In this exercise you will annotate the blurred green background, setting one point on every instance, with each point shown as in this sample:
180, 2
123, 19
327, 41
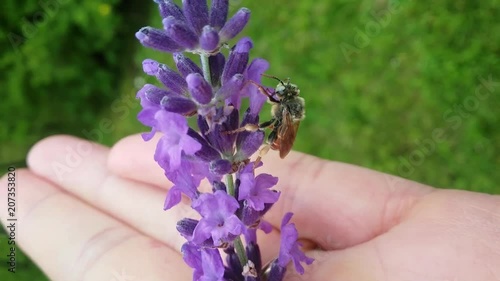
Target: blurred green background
410, 88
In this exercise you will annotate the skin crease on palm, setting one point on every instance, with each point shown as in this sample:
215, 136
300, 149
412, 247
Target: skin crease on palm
88, 212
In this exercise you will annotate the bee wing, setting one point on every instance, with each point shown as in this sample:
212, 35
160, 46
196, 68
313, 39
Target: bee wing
287, 133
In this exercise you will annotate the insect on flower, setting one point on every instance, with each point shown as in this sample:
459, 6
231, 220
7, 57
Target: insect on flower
287, 111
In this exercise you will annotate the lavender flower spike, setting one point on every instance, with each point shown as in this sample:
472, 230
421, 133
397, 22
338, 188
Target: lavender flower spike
194, 28
214, 146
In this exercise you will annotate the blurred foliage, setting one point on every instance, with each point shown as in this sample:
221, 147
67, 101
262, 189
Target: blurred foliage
381, 78
391, 86
62, 66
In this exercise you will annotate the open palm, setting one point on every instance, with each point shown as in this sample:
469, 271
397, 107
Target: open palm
87, 212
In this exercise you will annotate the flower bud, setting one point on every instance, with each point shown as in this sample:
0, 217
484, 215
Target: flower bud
253, 254
167, 76
218, 185
220, 167
199, 88
179, 105
233, 262
196, 12
216, 67
238, 59
248, 143
218, 13
209, 39
186, 65
157, 39
155, 95
249, 216
276, 272
206, 153
186, 227
231, 88
169, 8
235, 25
180, 33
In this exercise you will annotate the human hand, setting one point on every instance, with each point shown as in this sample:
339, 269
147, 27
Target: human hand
87, 212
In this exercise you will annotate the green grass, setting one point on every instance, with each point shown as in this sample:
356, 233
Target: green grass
402, 99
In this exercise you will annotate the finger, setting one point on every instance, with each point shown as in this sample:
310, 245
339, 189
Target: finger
70, 240
443, 237
129, 151
85, 175
337, 205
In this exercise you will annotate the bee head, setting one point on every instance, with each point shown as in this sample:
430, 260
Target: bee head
286, 90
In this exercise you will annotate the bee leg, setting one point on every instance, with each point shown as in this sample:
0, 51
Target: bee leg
264, 91
251, 127
262, 152
265, 149
273, 135
267, 124
247, 127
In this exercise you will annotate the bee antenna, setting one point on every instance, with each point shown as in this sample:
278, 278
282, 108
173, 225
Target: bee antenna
274, 77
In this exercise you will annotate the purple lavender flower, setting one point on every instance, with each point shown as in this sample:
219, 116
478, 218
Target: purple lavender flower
185, 182
212, 266
150, 106
218, 218
174, 141
207, 263
256, 190
253, 73
192, 257
289, 250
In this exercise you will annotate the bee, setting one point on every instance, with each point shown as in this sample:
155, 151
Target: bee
288, 109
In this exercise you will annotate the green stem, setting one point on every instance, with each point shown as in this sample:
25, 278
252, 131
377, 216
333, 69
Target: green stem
206, 68
238, 244
240, 251
230, 185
